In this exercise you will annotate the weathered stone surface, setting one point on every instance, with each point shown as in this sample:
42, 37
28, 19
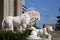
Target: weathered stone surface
56, 35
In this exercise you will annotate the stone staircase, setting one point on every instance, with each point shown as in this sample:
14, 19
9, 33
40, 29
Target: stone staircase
56, 35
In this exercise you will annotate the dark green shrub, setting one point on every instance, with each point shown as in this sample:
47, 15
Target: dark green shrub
9, 35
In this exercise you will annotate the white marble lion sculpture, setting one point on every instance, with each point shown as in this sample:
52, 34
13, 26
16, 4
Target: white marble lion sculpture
21, 22
41, 34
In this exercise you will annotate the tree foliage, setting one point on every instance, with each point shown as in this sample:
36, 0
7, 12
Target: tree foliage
9, 35
58, 22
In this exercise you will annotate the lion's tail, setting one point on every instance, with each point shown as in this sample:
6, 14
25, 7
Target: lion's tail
3, 24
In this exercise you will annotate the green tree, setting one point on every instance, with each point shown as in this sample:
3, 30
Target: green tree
9, 35
58, 22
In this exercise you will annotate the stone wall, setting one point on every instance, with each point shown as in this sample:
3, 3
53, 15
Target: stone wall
56, 35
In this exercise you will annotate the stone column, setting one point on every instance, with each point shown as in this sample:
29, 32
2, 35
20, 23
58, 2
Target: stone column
19, 7
6, 8
11, 8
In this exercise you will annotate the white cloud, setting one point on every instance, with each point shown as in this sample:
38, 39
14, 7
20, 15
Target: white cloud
31, 8
44, 9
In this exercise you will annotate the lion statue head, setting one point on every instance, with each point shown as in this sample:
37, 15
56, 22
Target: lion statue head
34, 16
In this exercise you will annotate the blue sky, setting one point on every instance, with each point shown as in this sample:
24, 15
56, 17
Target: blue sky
48, 10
